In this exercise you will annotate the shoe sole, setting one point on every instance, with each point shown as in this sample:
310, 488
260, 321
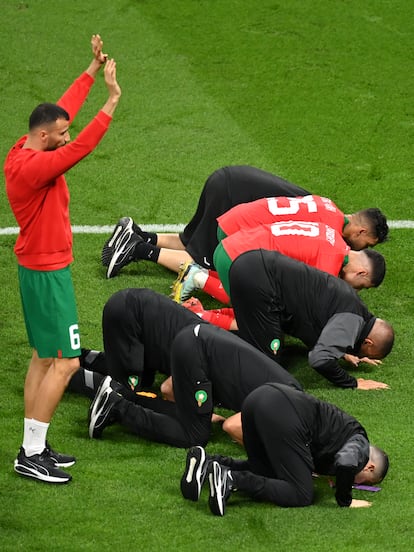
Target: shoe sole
179, 282
120, 251
64, 464
118, 230
106, 254
191, 481
96, 407
215, 501
54, 457
110, 245
34, 473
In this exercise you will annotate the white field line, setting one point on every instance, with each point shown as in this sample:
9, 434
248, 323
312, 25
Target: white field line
168, 228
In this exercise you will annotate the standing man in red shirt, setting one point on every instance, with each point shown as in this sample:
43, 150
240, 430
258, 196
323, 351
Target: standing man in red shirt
39, 197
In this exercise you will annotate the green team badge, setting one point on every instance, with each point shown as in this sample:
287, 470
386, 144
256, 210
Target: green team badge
275, 345
133, 382
201, 397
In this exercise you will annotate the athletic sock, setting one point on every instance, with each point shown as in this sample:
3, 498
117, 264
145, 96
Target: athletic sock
200, 278
219, 317
34, 438
215, 288
148, 237
93, 360
233, 463
85, 382
147, 252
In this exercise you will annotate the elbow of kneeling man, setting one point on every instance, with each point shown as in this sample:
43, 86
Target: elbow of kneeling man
319, 362
314, 360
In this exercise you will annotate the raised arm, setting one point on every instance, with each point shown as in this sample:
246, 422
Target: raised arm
99, 58
114, 89
76, 94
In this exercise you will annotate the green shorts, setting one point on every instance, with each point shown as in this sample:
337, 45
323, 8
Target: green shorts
49, 310
222, 262
220, 234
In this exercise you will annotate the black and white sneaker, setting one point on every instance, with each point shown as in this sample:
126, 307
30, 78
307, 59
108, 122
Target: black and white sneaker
60, 460
138, 230
124, 223
195, 473
118, 251
100, 411
40, 466
220, 480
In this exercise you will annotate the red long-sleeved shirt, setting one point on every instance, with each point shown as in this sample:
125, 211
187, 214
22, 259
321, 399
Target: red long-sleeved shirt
313, 243
267, 210
37, 190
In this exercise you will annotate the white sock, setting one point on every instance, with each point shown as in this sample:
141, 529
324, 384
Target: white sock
200, 278
34, 437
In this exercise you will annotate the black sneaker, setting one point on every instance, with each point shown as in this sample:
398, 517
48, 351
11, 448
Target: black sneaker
123, 254
40, 466
195, 473
137, 229
124, 223
60, 460
100, 411
220, 480
119, 250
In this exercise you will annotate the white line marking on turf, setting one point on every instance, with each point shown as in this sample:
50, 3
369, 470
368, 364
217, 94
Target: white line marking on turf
401, 224
171, 228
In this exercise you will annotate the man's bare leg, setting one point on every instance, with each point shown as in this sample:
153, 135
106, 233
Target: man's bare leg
167, 390
170, 241
45, 384
233, 426
173, 259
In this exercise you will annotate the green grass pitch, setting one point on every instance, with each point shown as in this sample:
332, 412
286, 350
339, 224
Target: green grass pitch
319, 92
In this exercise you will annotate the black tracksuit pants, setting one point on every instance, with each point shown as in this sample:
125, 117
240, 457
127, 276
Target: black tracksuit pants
277, 434
258, 306
225, 188
209, 367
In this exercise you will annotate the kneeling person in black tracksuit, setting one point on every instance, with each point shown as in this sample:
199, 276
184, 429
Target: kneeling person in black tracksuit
289, 297
288, 435
209, 367
138, 326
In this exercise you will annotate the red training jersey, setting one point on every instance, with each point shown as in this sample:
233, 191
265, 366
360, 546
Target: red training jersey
277, 209
37, 189
313, 243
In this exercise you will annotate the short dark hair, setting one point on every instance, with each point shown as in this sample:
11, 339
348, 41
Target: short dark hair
381, 460
385, 345
46, 113
377, 262
377, 222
